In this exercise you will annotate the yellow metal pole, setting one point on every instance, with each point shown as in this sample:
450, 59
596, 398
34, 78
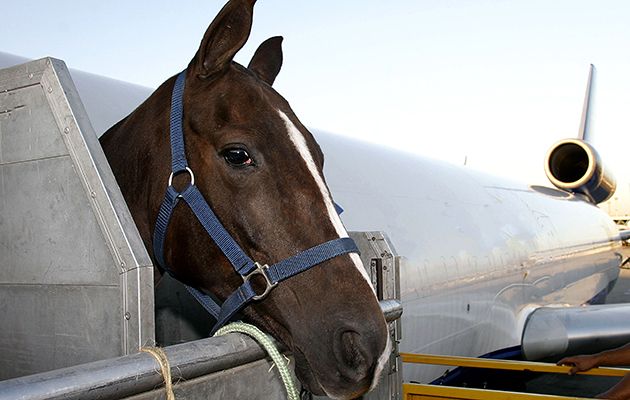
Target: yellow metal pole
412, 391
505, 364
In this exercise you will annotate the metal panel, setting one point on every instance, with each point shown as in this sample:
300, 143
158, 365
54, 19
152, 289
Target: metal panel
42, 199
24, 135
76, 283
57, 325
230, 366
254, 381
383, 263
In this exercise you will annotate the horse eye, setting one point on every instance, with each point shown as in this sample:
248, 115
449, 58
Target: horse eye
237, 157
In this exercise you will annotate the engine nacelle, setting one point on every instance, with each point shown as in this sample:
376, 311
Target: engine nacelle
574, 165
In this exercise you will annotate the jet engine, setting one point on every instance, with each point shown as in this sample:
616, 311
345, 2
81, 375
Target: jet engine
575, 166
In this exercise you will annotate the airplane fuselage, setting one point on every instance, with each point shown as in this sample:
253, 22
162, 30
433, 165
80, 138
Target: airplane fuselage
479, 253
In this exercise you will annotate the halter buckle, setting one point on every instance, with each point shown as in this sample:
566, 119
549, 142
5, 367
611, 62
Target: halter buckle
261, 270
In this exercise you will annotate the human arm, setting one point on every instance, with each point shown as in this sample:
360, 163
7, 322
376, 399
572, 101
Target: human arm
614, 357
621, 391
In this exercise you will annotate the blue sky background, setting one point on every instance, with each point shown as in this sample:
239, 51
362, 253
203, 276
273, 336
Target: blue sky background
494, 81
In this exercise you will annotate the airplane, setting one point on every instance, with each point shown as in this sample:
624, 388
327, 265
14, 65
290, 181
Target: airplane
489, 267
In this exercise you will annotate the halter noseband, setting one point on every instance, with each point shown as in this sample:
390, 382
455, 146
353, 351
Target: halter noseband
243, 265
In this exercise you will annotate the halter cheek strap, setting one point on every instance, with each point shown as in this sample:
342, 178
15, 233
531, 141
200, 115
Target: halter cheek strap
242, 264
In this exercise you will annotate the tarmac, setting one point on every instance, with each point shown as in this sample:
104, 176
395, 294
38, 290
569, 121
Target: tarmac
621, 291
581, 385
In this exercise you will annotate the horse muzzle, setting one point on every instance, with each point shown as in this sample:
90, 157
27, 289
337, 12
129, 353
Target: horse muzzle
350, 366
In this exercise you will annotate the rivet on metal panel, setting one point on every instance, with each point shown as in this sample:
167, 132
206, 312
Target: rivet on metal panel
30, 76
127, 316
66, 130
49, 90
93, 194
122, 264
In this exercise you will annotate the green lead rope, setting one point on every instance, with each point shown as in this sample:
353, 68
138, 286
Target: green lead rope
266, 342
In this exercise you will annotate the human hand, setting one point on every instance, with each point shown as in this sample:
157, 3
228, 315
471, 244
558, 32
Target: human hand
579, 363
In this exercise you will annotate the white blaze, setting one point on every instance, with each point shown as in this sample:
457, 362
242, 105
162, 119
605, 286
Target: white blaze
300, 144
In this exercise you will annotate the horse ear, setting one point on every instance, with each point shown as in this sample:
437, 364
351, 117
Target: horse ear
224, 38
267, 59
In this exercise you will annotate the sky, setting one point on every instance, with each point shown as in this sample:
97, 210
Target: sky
493, 83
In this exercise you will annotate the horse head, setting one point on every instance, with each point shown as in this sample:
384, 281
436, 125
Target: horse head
261, 172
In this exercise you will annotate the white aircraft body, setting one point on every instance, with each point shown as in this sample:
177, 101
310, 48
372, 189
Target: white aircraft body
480, 254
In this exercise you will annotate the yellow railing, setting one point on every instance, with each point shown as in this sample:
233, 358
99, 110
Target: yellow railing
504, 364
413, 391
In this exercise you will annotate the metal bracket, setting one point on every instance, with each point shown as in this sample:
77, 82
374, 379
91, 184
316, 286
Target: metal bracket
382, 264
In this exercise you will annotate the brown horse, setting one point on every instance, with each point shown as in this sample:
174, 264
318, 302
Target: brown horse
260, 170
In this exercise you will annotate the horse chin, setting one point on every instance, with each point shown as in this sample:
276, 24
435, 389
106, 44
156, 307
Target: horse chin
311, 383
305, 375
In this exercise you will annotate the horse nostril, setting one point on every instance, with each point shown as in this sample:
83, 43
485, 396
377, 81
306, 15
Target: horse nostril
350, 345
354, 359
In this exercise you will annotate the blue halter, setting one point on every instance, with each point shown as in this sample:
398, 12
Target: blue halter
243, 265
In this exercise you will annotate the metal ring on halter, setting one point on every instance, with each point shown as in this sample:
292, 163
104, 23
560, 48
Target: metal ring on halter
261, 270
192, 176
